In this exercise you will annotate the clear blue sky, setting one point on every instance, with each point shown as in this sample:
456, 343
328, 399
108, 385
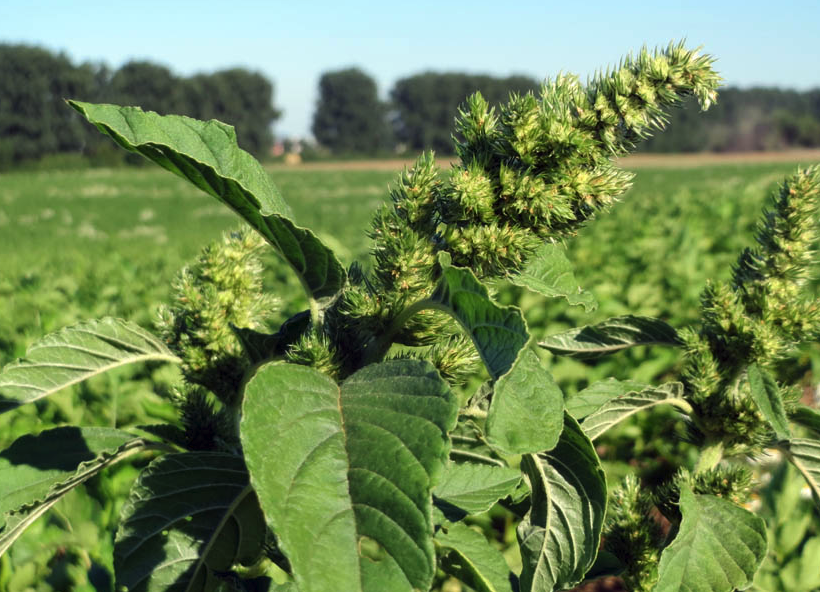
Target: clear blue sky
756, 42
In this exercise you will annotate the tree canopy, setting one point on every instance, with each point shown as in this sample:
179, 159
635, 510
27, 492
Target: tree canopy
349, 116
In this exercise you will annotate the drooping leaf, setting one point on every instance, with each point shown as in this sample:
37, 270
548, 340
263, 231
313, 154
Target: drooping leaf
189, 517
560, 535
526, 391
473, 488
597, 394
207, 155
804, 454
549, 273
718, 548
619, 408
334, 464
36, 471
806, 417
473, 560
611, 336
74, 354
498, 332
766, 396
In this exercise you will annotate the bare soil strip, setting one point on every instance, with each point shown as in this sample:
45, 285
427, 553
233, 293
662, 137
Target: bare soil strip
805, 157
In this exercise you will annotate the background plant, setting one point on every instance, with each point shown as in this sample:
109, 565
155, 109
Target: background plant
530, 176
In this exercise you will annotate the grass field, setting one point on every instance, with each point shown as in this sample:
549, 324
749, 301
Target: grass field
84, 244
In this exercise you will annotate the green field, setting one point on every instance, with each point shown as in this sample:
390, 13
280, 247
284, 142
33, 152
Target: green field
84, 244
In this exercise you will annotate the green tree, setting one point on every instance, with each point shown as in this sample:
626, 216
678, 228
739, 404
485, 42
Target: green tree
349, 117
147, 84
33, 118
426, 104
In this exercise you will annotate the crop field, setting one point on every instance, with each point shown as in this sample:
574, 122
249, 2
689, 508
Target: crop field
84, 244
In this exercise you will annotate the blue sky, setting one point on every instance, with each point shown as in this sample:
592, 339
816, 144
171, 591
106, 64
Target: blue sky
294, 42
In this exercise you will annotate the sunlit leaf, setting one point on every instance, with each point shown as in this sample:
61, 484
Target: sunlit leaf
718, 548
549, 273
206, 154
74, 354
334, 464
611, 336
560, 535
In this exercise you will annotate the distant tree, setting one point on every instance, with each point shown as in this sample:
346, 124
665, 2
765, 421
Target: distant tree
151, 86
349, 117
239, 97
426, 104
743, 119
34, 119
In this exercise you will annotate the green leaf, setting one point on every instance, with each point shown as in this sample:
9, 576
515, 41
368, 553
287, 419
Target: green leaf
548, 272
526, 391
473, 560
560, 535
207, 155
74, 354
766, 396
806, 417
498, 332
36, 471
189, 515
473, 488
718, 548
333, 464
597, 394
613, 335
804, 454
623, 406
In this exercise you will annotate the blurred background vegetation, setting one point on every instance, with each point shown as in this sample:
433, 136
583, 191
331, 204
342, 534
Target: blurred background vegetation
350, 118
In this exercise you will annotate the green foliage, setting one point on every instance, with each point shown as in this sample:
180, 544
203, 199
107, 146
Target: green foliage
336, 452
426, 104
349, 117
34, 123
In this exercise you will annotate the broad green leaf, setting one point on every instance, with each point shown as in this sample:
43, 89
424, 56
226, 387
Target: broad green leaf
473, 560
36, 471
619, 408
207, 155
804, 454
473, 488
549, 273
333, 464
526, 391
597, 394
611, 336
188, 516
806, 417
560, 535
766, 396
718, 548
498, 332
74, 354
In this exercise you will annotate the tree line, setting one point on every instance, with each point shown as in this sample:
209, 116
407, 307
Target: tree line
350, 118
36, 122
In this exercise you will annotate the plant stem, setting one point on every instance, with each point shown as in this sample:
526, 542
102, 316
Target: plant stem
710, 456
379, 347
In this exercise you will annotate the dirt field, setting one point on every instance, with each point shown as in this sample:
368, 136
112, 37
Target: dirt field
804, 157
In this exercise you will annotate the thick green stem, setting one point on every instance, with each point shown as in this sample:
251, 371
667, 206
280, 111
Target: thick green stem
377, 350
710, 456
